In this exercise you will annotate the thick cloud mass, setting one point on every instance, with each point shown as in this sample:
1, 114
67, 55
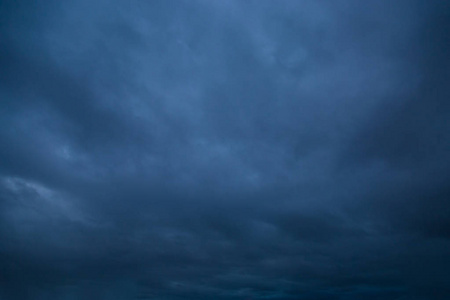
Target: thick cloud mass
224, 150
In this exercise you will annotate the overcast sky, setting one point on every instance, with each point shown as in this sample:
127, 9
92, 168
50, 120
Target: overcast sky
224, 149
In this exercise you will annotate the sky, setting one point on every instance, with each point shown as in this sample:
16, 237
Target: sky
230, 150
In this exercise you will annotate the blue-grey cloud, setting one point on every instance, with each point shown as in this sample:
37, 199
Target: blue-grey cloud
224, 149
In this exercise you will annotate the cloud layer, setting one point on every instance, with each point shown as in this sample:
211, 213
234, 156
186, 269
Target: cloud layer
224, 150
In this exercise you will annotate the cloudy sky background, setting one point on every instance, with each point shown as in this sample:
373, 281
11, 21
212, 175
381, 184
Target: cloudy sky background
224, 150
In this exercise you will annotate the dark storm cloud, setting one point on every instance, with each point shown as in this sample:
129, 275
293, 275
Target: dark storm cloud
224, 149
408, 133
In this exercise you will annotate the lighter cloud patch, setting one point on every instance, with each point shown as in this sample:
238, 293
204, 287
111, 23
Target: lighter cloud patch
65, 153
43, 199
